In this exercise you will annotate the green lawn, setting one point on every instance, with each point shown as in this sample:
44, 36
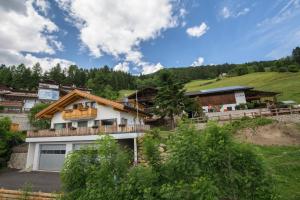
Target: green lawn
287, 84
284, 164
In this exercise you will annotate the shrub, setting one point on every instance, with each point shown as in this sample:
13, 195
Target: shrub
293, 68
38, 123
282, 69
7, 140
204, 165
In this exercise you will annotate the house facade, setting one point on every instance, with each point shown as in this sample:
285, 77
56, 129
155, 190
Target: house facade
227, 98
77, 120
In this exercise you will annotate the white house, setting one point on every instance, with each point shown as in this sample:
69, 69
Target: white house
76, 121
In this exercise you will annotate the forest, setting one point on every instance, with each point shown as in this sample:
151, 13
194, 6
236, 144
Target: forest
106, 82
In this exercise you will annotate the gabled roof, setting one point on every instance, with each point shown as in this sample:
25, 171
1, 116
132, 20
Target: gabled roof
74, 96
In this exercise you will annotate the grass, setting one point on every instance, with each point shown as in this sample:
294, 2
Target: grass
125, 93
284, 165
287, 84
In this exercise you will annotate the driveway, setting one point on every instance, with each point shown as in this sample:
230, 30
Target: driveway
37, 181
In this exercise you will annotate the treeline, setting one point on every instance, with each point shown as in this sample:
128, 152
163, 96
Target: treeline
103, 81
106, 82
186, 74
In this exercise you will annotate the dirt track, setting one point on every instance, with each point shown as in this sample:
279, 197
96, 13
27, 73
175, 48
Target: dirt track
278, 133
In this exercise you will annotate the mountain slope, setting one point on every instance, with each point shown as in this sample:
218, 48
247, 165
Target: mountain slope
288, 84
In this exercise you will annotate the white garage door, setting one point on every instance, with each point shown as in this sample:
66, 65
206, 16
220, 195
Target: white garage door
52, 157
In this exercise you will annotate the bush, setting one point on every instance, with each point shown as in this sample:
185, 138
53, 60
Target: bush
205, 165
38, 123
293, 68
241, 106
282, 69
7, 140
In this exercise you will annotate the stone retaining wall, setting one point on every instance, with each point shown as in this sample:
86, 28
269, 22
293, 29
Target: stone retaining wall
17, 161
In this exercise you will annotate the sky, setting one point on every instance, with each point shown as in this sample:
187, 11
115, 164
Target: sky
141, 37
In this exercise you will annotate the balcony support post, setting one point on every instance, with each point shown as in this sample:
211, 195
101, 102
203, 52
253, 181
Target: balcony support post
135, 150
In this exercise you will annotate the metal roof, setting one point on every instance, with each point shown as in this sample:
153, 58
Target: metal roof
219, 90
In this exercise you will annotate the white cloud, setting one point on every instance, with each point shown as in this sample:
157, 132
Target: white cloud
151, 68
124, 67
23, 29
197, 31
243, 12
225, 12
43, 6
233, 13
10, 57
118, 27
198, 62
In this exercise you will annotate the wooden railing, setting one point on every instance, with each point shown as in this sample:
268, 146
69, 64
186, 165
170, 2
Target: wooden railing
16, 195
235, 116
88, 131
81, 113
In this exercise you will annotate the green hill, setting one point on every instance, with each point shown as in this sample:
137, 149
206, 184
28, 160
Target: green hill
288, 84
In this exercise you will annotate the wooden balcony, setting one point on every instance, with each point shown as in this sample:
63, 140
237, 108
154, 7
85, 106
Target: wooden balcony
80, 113
89, 131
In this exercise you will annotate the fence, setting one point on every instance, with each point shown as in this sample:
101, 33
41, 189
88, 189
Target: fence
260, 113
16, 195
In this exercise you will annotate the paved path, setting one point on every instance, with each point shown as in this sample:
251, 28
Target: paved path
38, 181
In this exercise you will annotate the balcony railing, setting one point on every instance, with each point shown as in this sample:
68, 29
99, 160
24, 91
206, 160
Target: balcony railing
89, 131
80, 113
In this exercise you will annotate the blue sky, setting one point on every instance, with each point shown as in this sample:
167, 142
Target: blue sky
145, 36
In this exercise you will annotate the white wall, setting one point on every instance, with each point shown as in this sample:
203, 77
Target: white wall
103, 112
29, 103
240, 98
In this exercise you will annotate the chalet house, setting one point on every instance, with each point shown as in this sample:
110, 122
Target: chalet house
16, 101
227, 98
77, 119
212, 100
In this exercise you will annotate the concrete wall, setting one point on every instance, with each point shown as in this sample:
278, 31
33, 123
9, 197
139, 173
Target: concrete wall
18, 118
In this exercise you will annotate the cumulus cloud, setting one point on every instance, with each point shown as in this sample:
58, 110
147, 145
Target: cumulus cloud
151, 68
197, 31
124, 67
23, 29
118, 27
198, 62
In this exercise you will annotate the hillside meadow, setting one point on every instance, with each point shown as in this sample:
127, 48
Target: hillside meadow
287, 84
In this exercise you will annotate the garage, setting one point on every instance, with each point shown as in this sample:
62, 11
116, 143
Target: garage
52, 157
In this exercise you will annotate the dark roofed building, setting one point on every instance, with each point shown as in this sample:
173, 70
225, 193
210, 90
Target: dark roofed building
227, 98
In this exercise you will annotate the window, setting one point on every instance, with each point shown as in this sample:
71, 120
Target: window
96, 122
75, 106
229, 108
124, 121
59, 125
107, 122
82, 123
93, 104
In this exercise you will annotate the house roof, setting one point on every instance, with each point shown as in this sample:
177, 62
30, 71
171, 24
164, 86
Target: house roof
219, 90
74, 96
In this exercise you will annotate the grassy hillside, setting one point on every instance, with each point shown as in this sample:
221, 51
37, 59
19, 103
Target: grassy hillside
284, 164
288, 84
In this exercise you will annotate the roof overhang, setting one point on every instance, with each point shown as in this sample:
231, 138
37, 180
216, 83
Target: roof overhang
74, 96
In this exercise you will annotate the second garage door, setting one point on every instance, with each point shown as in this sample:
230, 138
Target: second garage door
52, 157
